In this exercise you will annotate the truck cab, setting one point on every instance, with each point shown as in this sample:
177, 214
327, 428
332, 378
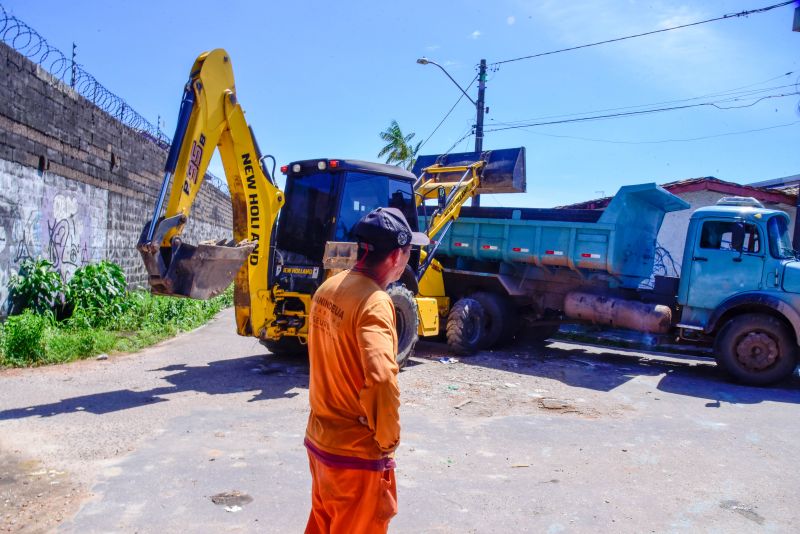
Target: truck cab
740, 282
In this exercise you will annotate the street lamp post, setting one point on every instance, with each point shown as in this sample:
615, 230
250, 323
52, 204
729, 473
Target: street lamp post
480, 106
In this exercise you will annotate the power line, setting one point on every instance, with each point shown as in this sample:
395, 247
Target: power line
735, 92
640, 112
448, 113
723, 17
660, 141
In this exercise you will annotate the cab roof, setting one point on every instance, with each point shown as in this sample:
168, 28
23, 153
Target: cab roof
734, 211
311, 165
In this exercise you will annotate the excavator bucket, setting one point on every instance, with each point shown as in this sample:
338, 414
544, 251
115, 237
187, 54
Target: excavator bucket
183, 270
504, 171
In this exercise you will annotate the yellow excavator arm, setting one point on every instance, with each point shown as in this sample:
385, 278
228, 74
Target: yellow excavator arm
211, 117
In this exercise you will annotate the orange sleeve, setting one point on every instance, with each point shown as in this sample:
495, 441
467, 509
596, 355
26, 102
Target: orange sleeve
380, 396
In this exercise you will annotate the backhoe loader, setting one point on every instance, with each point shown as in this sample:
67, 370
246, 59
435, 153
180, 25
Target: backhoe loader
285, 245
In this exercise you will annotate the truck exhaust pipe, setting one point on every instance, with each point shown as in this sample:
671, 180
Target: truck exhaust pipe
620, 313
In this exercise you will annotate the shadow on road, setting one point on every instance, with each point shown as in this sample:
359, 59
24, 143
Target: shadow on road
269, 377
605, 371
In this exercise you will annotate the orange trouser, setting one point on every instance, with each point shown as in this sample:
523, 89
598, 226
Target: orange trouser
350, 501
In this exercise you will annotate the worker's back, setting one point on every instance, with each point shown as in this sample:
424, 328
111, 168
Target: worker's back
352, 343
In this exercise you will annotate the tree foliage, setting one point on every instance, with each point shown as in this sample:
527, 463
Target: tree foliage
398, 149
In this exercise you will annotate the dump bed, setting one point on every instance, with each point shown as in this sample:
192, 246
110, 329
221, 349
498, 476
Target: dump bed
620, 240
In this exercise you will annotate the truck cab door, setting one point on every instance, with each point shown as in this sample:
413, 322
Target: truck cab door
728, 258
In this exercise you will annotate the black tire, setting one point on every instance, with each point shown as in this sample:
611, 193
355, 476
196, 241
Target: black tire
756, 349
407, 316
286, 346
501, 322
465, 326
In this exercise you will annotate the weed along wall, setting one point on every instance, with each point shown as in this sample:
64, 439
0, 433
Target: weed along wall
76, 185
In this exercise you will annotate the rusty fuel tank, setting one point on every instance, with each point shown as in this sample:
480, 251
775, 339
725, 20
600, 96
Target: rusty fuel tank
619, 313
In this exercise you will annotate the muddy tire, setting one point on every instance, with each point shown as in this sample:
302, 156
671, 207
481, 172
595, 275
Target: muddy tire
501, 323
285, 346
465, 326
756, 349
407, 316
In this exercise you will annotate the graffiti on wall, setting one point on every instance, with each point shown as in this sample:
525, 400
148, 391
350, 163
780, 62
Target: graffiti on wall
54, 223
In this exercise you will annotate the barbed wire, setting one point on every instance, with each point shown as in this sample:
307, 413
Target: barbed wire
28, 42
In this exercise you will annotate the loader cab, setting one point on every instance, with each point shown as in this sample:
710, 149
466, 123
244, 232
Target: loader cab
325, 198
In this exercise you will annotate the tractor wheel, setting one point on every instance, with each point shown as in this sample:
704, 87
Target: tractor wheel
465, 326
501, 323
756, 349
407, 316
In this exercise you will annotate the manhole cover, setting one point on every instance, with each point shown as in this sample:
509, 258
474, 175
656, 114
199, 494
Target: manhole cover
231, 498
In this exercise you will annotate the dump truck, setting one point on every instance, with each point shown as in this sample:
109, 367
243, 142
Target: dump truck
530, 270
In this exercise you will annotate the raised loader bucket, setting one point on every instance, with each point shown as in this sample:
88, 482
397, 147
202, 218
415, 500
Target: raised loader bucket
504, 171
183, 270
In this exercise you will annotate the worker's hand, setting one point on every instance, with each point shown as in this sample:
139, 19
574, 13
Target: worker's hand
363, 421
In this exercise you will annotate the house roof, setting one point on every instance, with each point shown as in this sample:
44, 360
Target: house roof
709, 183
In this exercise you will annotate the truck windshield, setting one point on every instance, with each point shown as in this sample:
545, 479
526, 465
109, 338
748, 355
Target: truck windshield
364, 192
780, 244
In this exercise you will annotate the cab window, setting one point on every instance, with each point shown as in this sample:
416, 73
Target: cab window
730, 235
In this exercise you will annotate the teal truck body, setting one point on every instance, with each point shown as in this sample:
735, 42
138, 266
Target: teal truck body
531, 269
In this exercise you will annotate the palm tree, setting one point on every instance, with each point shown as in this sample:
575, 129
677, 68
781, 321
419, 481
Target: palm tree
397, 149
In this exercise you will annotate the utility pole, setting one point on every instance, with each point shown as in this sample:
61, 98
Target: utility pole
480, 107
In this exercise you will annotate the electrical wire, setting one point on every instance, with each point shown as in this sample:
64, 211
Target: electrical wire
639, 112
723, 17
731, 93
660, 141
448, 113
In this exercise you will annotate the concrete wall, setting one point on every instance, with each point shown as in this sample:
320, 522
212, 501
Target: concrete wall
76, 185
672, 235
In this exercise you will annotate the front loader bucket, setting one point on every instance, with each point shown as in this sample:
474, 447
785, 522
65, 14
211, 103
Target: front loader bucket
197, 272
504, 171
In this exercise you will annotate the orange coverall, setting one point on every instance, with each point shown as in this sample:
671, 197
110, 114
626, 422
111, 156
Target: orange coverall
354, 425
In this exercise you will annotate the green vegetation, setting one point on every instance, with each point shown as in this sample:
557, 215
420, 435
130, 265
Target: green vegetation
397, 149
91, 314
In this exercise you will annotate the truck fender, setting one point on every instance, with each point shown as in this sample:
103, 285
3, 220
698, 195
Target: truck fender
752, 302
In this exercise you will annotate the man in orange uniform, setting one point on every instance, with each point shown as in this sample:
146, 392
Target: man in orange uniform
354, 425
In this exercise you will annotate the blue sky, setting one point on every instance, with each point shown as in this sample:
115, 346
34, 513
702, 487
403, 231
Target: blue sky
322, 79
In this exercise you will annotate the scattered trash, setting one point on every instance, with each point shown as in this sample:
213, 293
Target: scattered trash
233, 509
452, 388
520, 465
448, 360
231, 499
103, 356
553, 404
462, 404
509, 385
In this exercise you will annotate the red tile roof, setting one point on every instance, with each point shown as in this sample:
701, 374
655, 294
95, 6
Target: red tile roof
709, 183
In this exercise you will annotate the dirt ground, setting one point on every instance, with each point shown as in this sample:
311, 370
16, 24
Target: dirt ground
203, 433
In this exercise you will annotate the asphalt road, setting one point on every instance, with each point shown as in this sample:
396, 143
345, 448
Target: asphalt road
203, 433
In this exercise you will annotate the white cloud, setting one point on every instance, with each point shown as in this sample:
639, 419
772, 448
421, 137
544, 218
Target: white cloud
431, 48
511, 20
475, 34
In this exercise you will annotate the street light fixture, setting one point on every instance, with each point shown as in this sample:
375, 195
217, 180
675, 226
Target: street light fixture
479, 106
426, 61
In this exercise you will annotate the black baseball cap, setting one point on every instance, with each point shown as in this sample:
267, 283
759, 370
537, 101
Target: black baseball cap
387, 229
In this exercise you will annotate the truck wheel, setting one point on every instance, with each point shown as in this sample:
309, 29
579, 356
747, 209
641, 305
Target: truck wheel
465, 326
756, 349
501, 323
285, 346
407, 316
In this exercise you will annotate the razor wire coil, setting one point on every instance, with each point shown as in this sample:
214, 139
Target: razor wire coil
28, 42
